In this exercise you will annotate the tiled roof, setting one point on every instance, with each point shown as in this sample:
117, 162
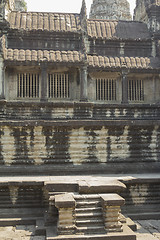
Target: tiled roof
107, 29
68, 22
44, 21
77, 57
50, 56
118, 62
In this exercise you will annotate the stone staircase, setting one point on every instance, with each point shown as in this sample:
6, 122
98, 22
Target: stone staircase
88, 215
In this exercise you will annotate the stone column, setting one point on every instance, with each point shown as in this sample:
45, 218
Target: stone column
66, 209
44, 81
124, 86
111, 205
154, 51
84, 85
2, 95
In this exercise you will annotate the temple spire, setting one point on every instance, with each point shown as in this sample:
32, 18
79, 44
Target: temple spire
83, 15
83, 9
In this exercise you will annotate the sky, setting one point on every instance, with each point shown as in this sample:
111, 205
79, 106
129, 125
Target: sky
72, 6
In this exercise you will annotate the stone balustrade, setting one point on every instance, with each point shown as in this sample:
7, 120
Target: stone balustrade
66, 208
111, 205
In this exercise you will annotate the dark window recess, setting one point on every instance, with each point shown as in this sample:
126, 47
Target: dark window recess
106, 89
136, 90
27, 85
58, 85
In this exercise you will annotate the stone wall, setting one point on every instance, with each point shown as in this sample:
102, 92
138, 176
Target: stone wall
75, 145
142, 198
77, 110
21, 200
151, 84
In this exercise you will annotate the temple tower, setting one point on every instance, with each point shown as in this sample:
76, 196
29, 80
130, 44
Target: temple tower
148, 11
110, 9
20, 5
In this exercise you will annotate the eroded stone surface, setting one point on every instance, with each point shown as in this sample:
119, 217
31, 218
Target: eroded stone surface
148, 230
20, 232
107, 9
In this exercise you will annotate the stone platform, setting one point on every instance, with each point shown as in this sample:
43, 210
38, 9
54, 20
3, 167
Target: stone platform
146, 230
127, 234
30, 201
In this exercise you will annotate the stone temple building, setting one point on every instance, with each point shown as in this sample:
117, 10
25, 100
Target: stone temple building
80, 119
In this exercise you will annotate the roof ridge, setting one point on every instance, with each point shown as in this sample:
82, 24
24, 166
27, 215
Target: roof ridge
112, 20
64, 13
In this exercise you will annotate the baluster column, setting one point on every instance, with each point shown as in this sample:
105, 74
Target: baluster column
44, 79
84, 84
124, 86
111, 205
66, 209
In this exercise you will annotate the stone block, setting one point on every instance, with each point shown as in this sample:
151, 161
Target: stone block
112, 200
64, 201
93, 187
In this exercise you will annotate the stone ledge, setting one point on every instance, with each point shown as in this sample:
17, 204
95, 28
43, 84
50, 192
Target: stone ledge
93, 187
112, 200
127, 234
75, 104
64, 201
79, 123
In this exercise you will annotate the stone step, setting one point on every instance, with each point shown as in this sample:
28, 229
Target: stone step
89, 215
50, 193
18, 221
89, 223
87, 204
78, 196
21, 212
24, 205
126, 235
88, 197
88, 210
20, 199
91, 230
145, 216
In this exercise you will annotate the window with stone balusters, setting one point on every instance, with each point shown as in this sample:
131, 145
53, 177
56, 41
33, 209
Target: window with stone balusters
58, 86
28, 85
106, 89
136, 90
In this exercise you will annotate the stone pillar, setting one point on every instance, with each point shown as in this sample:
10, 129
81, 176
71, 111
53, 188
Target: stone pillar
111, 205
124, 86
66, 209
154, 51
2, 95
44, 81
84, 85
